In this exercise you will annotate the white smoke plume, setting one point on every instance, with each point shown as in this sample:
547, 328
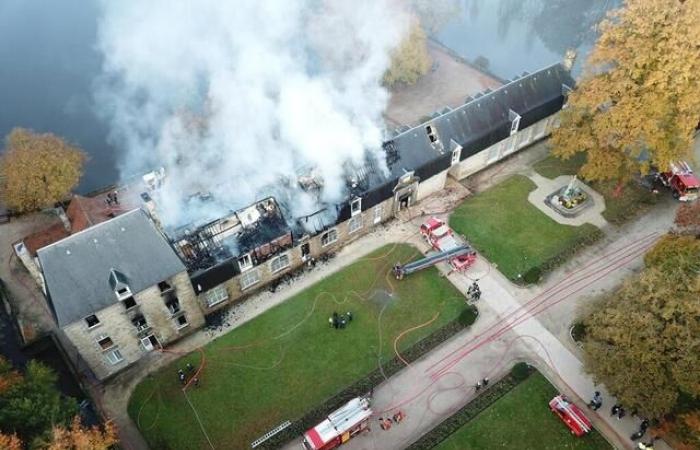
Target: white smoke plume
231, 96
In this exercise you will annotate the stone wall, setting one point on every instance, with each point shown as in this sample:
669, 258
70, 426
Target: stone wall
115, 322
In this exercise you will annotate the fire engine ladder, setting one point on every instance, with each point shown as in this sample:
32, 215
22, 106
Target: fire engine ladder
407, 269
270, 433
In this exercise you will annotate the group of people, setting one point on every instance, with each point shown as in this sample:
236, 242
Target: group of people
619, 411
386, 422
474, 292
481, 384
338, 321
183, 377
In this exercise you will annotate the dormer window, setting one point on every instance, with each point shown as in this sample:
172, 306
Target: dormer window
245, 262
432, 134
356, 206
120, 284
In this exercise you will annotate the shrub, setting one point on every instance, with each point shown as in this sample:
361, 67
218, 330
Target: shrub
468, 315
521, 371
578, 331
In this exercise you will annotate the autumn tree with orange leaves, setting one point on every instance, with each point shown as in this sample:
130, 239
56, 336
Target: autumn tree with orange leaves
637, 104
37, 170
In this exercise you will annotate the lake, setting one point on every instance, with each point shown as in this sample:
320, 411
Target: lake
48, 62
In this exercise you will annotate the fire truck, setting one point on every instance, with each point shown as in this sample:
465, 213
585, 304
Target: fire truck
441, 238
571, 415
340, 426
681, 180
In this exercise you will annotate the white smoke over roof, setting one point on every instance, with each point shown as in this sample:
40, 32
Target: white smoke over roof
231, 96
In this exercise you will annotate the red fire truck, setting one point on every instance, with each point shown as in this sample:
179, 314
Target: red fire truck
571, 415
339, 426
682, 181
441, 238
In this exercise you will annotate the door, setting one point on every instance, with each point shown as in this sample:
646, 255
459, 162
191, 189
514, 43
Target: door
149, 343
305, 251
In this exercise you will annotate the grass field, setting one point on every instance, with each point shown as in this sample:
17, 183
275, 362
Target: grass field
288, 360
620, 206
521, 419
503, 225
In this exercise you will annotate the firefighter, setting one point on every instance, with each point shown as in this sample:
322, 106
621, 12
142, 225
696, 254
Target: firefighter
596, 402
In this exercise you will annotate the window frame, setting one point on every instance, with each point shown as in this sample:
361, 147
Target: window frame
104, 337
97, 324
132, 298
353, 226
378, 213
328, 233
117, 354
248, 265
278, 258
245, 276
219, 292
353, 209
179, 325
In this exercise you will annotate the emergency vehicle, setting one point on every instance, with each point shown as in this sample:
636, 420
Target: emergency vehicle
441, 238
682, 181
339, 426
571, 415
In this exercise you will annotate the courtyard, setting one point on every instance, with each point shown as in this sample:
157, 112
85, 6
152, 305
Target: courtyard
289, 360
521, 241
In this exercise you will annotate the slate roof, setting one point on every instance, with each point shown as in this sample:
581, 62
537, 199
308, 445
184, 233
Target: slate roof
78, 268
476, 125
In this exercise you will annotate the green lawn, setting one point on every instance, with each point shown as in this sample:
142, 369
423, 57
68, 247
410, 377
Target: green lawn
511, 232
521, 419
620, 205
288, 360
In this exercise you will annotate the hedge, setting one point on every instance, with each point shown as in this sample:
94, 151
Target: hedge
517, 375
374, 378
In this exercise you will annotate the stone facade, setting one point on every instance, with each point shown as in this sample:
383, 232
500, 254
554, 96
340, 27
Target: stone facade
120, 338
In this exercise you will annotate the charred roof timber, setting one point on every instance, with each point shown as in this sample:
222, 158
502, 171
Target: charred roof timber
249, 229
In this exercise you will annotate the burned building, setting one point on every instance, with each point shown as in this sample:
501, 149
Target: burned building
232, 256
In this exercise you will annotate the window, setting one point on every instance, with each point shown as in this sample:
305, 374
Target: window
329, 237
139, 323
216, 295
514, 121
123, 292
129, 302
378, 213
430, 130
173, 306
279, 263
249, 278
355, 224
181, 322
92, 321
356, 206
455, 155
164, 287
114, 357
245, 262
105, 342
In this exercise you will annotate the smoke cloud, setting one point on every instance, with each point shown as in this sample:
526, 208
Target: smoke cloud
233, 96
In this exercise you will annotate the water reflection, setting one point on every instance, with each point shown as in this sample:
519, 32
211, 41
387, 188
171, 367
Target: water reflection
517, 35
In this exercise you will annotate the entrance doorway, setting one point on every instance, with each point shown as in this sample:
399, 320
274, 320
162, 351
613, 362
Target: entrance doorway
405, 201
305, 251
149, 343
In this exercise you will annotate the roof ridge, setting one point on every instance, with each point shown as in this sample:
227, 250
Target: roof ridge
91, 228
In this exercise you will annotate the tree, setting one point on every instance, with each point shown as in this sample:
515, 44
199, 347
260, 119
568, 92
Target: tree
31, 404
77, 437
410, 60
10, 442
637, 104
37, 170
434, 14
643, 342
